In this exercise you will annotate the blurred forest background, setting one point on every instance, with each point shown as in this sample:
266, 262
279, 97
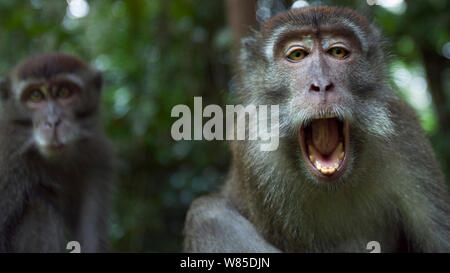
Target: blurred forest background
159, 53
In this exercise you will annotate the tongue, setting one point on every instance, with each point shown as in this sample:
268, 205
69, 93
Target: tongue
325, 135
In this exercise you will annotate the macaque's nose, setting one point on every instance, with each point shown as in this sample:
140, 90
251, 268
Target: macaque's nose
317, 87
52, 123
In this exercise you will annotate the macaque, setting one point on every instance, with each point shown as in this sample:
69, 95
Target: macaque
353, 163
56, 165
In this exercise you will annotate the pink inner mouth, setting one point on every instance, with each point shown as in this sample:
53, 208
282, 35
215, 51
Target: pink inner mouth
324, 145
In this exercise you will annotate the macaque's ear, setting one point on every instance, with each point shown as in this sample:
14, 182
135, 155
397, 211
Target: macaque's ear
97, 80
4, 88
248, 43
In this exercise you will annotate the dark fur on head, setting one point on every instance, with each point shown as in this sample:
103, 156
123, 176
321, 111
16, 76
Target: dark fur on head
48, 65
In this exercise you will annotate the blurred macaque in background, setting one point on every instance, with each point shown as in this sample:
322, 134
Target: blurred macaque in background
57, 168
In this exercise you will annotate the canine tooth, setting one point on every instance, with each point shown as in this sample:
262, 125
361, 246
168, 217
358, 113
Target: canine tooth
336, 165
340, 146
318, 166
312, 158
341, 155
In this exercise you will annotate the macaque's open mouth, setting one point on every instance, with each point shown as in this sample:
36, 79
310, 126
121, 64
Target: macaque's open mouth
324, 143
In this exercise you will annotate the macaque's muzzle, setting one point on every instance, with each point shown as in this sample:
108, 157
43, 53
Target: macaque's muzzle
53, 136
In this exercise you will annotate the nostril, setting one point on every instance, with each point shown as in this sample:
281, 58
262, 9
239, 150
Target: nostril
48, 125
315, 88
329, 87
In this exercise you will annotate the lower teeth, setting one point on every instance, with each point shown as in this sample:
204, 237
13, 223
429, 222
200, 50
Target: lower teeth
327, 170
331, 169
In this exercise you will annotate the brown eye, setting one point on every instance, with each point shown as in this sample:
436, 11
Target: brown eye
297, 55
64, 92
36, 96
338, 52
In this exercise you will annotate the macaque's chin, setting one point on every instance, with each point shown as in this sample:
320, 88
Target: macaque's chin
325, 144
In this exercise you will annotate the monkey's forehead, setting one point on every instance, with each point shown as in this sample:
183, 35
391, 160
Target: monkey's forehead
49, 65
314, 17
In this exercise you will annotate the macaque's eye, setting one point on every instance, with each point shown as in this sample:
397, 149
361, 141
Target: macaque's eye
296, 54
64, 92
36, 96
338, 52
